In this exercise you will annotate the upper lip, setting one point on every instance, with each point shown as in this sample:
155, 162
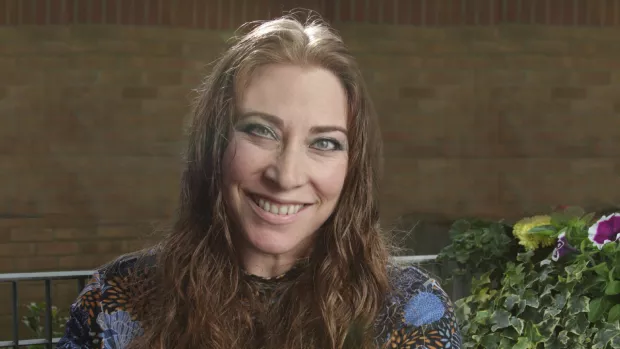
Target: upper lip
278, 201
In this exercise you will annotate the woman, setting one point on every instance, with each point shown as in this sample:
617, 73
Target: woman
276, 243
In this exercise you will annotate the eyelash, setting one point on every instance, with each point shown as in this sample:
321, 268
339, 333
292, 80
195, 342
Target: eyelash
256, 130
253, 129
337, 146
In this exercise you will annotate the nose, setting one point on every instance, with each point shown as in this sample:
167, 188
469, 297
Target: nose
288, 170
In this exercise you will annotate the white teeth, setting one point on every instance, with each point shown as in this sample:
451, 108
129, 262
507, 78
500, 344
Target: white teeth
274, 209
278, 209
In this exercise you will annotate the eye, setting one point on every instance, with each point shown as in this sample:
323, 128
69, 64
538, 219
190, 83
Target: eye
326, 144
260, 131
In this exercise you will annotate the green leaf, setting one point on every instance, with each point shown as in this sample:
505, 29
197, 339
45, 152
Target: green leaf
577, 324
523, 343
482, 317
490, 341
563, 337
578, 305
613, 288
545, 230
601, 269
500, 319
547, 327
525, 256
614, 313
597, 308
459, 227
517, 324
511, 301
531, 299
606, 334
575, 271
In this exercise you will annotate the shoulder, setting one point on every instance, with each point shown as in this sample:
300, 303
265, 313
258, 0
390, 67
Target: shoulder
103, 313
418, 312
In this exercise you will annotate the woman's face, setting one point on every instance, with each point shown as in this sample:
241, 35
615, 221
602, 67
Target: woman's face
286, 162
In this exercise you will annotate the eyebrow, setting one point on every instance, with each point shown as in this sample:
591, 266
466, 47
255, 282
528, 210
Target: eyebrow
277, 121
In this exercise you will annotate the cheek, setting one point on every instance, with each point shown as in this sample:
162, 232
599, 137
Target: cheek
329, 178
241, 161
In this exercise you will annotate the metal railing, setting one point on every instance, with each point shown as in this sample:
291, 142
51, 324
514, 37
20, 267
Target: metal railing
81, 276
47, 278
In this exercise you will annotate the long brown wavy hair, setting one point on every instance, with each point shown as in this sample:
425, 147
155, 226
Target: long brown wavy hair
198, 295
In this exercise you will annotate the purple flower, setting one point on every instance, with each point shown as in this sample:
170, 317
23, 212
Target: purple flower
562, 248
605, 230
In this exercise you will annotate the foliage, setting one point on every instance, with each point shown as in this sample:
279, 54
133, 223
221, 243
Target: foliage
35, 321
567, 297
478, 247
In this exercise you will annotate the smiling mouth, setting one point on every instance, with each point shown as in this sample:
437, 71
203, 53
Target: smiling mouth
277, 208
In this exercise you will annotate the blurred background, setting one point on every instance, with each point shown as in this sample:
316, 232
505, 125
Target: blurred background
489, 108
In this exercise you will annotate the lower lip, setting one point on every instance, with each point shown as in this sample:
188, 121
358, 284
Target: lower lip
272, 218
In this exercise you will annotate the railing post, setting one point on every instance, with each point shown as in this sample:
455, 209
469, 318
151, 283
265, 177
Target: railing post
15, 316
48, 313
80, 284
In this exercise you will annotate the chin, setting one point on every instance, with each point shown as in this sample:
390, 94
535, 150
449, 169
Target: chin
273, 243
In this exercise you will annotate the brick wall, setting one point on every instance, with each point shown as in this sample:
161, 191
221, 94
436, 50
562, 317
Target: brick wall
487, 109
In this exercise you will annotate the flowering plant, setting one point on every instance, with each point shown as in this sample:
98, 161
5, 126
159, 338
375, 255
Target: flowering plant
559, 289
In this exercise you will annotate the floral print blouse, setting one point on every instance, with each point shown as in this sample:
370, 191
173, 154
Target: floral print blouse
418, 314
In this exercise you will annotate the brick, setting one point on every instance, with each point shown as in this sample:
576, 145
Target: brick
592, 78
162, 78
31, 234
7, 265
139, 92
74, 233
84, 262
439, 78
102, 247
119, 77
136, 245
57, 248
417, 92
569, 92
584, 107
548, 47
38, 263
17, 249
5, 235
118, 231
548, 77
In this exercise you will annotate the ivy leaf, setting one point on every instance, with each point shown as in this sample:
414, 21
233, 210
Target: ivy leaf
500, 319
547, 327
517, 324
490, 341
511, 301
563, 338
525, 257
523, 343
606, 334
577, 324
531, 299
613, 288
547, 290
614, 313
482, 317
578, 305
575, 271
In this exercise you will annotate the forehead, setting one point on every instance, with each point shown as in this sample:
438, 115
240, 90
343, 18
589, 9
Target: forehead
296, 94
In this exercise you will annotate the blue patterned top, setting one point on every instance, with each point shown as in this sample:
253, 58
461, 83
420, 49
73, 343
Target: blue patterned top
418, 313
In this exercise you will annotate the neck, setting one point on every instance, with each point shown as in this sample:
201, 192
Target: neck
267, 266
